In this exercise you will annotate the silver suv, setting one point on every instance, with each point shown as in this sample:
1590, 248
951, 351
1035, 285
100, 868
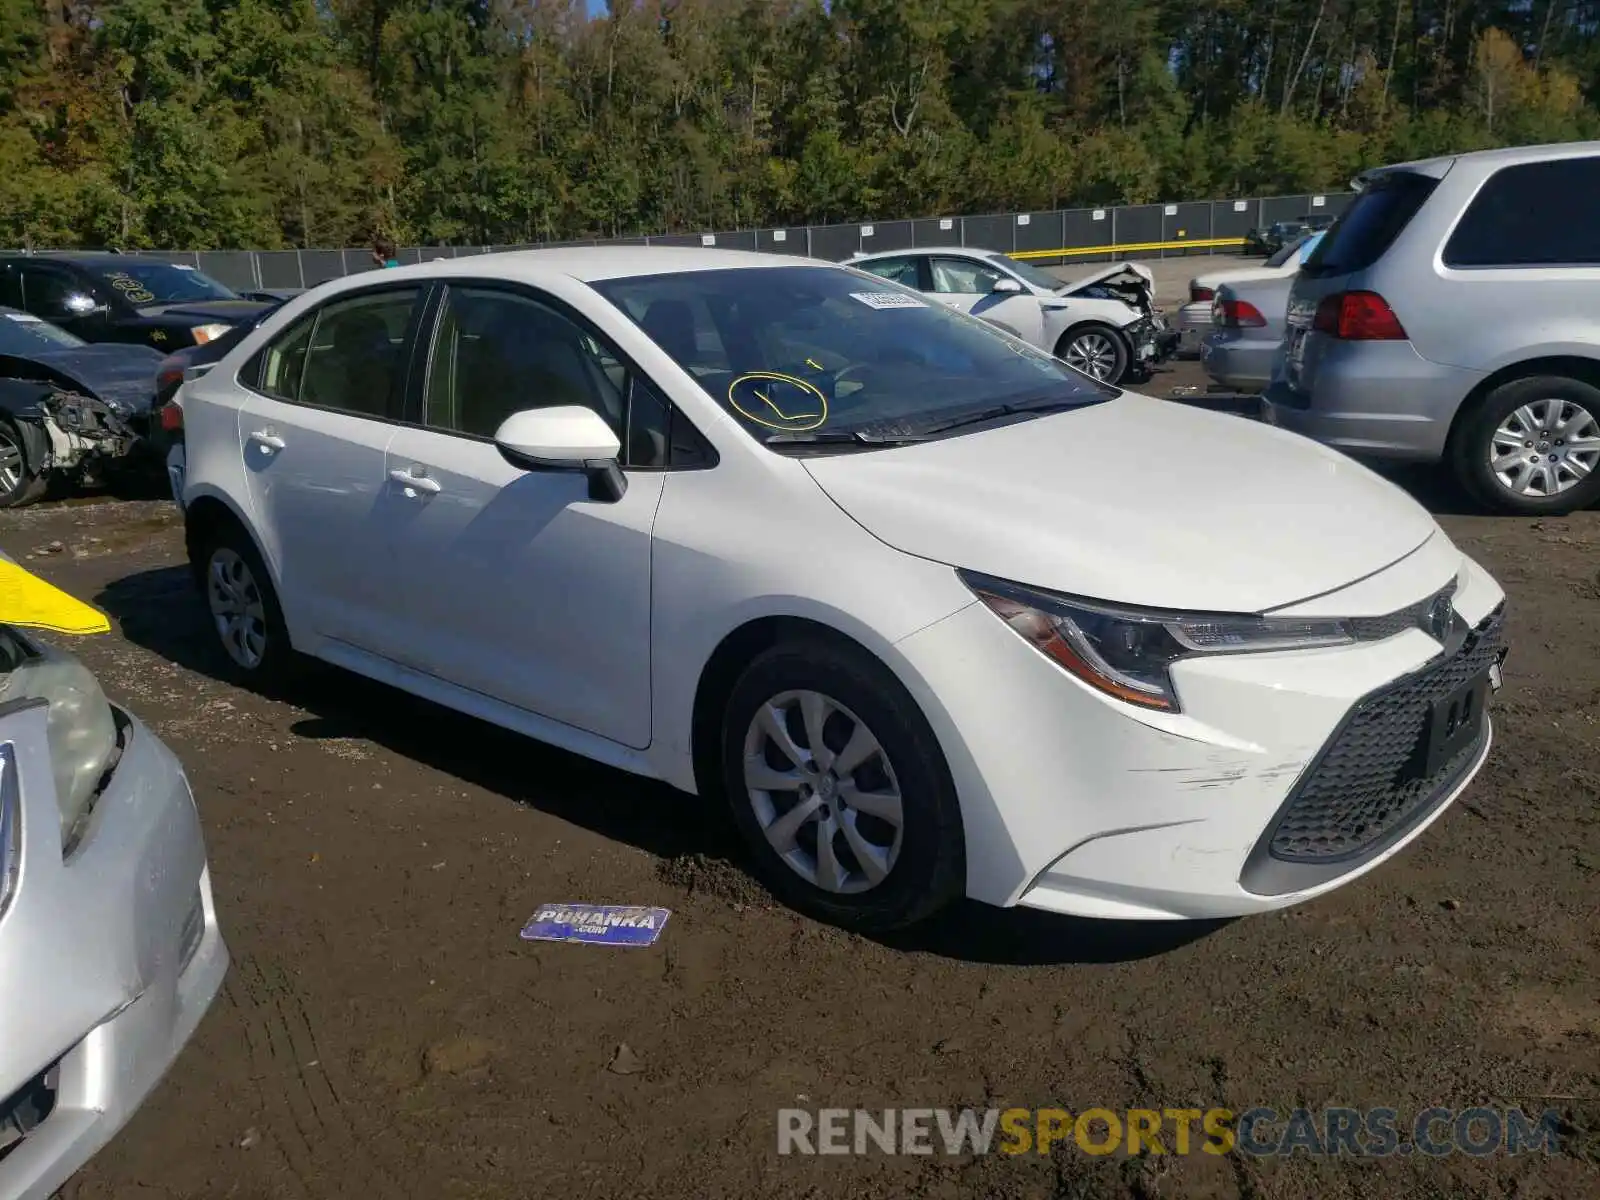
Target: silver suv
1452, 314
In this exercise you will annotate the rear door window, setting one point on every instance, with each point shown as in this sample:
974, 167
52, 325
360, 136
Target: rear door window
1539, 214
1371, 223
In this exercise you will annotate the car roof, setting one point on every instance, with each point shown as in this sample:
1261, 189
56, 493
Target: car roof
1491, 159
960, 251
86, 258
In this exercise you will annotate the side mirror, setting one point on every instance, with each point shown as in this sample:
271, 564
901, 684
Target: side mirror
1006, 286
568, 438
81, 304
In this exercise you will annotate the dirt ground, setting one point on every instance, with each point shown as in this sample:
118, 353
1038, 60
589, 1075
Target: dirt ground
384, 1032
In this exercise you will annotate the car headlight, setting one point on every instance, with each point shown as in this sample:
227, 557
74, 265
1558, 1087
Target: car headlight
80, 727
1128, 653
207, 333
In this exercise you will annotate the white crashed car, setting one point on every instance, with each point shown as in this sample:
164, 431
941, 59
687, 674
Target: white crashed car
1105, 324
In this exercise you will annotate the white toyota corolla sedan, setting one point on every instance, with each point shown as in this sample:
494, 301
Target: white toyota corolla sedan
934, 613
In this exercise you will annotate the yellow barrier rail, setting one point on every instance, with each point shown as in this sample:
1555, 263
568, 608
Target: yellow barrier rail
1132, 248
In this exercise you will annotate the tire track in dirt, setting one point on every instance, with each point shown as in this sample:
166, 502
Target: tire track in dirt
323, 1147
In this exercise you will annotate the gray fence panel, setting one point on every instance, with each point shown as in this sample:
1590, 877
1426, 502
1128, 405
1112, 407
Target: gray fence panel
1188, 223
682, 239
628, 241
235, 268
1139, 225
1080, 231
321, 265
887, 235
1285, 208
835, 242
990, 232
279, 268
1234, 218
739, 239
1338, 202
936, 231
408, 256
1042, 231
782, 241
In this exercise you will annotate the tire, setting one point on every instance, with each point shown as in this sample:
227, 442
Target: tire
243, 607
1098, 346
21, 481
1545, 413
920, 867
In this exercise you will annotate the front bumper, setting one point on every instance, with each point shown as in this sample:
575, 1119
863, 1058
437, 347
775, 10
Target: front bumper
1076, 803
108, 960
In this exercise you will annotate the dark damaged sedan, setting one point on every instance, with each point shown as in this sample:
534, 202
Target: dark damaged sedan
67, 408
105, 297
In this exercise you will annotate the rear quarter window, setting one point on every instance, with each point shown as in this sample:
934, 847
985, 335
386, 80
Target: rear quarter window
1370, 225
1539, 214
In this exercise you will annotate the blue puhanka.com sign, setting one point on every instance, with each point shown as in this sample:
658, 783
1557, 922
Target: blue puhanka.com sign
607, 924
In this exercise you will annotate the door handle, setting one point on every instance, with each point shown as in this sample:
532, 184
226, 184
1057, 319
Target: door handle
415, 484
267, 440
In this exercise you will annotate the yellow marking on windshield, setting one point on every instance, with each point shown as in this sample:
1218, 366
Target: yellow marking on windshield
791, 422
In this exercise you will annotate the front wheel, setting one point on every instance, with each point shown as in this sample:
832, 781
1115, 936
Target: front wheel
21, 481
1096, 350
840, 789
1532, 446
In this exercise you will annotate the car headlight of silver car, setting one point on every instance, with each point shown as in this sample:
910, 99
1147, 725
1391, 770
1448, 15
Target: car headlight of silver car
1128, 653
80, 726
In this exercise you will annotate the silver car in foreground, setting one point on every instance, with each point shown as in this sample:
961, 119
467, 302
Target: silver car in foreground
1247, 320
1452, 315
109, 948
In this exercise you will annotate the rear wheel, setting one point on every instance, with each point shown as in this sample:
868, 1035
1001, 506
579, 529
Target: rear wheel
1096, 350
21, 481
244, 609
1532, 446
838, 785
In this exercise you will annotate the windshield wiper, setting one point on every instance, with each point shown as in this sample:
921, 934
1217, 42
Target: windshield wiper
1007, 410
856, 437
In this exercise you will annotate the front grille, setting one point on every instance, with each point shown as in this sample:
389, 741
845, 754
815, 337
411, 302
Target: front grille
1412, 616
1368, 786
193, 931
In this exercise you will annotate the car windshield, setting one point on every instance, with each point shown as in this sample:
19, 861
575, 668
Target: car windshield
1280, 257
1028, 273
828, 355
144, 283
23, 334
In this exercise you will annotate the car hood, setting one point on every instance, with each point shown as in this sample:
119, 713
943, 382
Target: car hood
1108, 272
116, 373
230, 311
1136, 501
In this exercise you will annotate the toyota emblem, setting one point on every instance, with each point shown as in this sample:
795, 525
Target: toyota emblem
1440, 614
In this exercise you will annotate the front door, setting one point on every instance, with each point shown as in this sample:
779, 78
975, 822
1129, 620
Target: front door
968, 284
313, 435
516, 584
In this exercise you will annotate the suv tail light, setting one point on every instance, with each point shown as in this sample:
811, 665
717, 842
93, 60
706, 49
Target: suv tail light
1358, 317
1237, 314
171, 417
1200, 293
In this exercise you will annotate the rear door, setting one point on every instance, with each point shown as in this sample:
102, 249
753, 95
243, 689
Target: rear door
323, 400
1350, 248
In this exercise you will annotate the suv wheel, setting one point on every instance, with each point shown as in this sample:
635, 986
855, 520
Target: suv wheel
243, 607
840, 789
1533, 446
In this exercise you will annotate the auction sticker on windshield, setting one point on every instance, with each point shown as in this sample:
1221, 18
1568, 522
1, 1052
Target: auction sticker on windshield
607, 924
887, 300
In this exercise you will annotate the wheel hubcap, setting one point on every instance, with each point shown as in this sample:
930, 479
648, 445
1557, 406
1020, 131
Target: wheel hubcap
1545, 448
10, 463
823, 792
237, 609
1094, 355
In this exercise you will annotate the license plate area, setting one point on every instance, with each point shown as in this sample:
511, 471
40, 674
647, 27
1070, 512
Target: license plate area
1455, 721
